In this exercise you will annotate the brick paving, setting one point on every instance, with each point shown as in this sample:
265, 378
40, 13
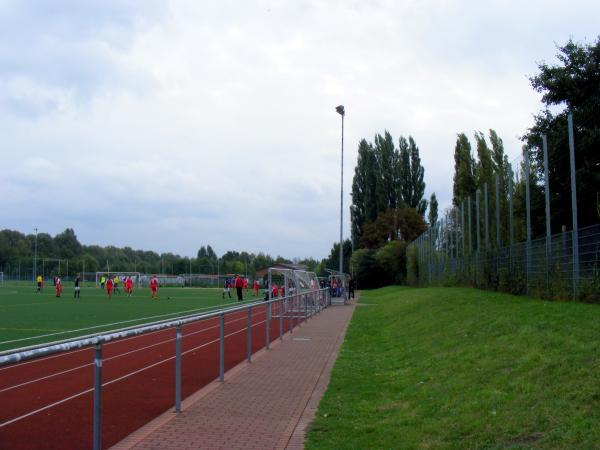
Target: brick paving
266, 404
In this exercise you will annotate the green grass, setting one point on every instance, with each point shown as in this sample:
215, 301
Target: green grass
27, 318
458, 368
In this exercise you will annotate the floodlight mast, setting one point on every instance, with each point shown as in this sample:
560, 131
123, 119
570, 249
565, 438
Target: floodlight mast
342, 112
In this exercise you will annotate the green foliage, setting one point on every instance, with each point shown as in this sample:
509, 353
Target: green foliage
391, 258
366, 270
412, 265
433, 210
17, 249
459, 368
464, 170
333, 260
401, 224
573, 84
385, 178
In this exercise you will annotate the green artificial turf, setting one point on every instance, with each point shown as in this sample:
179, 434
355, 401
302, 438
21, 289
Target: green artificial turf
28, 318
459, 368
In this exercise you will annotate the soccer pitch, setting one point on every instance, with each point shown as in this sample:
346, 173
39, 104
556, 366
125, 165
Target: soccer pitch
28, 318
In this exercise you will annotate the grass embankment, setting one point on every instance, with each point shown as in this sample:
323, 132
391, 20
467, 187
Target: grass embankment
456, 368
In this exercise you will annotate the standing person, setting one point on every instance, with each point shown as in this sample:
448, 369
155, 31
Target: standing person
154, 286
102, 282
40, 283
109, 287
351, 287
246, 284
77, 292
239, 285
226, 288
116, 285
129, 286
255, 288
58, 285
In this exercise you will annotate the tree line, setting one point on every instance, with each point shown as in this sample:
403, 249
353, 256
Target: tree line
17, 253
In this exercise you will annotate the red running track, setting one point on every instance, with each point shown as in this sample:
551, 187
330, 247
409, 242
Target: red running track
47, 403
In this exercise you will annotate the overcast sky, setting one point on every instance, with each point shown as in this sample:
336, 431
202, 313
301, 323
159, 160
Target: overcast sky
167, 125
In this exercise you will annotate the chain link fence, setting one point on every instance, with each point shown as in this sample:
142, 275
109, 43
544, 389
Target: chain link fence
500, 237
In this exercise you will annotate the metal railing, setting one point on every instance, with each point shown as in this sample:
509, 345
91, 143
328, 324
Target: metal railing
296, 308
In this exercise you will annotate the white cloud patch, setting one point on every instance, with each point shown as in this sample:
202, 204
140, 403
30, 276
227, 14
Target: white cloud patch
170, 125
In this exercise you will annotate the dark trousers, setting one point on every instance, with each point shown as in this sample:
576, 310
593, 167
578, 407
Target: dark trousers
239, 294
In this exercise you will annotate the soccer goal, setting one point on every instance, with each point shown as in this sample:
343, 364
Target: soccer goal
163, 280
136, 277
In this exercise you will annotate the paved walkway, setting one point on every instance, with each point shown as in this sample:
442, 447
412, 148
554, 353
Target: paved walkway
263, 405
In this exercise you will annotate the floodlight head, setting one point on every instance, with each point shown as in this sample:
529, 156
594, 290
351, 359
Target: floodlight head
340, 110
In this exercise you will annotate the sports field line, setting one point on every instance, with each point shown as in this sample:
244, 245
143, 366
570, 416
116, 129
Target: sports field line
44, 408
28, 329
109, 324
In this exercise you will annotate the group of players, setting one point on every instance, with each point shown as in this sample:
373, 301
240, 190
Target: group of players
110, 284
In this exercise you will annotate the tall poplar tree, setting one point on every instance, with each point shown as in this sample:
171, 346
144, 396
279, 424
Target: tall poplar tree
464, 170
364, 190
433, 210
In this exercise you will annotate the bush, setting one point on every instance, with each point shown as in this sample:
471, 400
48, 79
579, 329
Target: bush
366, 270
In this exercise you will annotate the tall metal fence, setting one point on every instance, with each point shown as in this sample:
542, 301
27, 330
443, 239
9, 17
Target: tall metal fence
492, 240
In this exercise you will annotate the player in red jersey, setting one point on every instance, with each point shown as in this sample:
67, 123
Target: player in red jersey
239, 285
129, 286
255, 287
109, 287
154, 286
58, 285
246, 284
275, 291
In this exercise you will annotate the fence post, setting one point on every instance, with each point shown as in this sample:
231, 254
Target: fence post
249, 335
547, 197
511, 230
470, 231
222, 348
528, 214
97, 436
462, 228
574, 209
178, 369
498, 212
268, 325
477, 220
487, 217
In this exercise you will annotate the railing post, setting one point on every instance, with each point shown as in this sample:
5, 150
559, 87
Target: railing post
268, 323
97, 436
306, 308
291, 310
249, 336
222, 348
178, 369
281, 309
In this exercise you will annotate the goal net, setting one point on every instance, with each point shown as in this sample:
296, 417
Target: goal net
135, 277
163, 280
